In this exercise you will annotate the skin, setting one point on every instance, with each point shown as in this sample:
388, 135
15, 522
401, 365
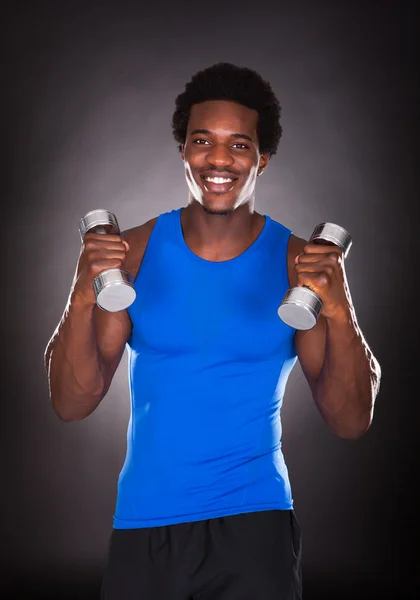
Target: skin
87, 345
221, 226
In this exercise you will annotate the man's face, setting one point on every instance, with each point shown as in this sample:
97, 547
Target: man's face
221, 155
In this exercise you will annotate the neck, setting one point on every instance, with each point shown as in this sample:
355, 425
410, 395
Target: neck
221, 236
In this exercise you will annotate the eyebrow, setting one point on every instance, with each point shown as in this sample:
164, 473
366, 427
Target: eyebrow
234, 135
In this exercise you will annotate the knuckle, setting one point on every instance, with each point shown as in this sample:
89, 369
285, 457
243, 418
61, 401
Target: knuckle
113, 263
89, 247
323, 279
302, 278
93, 269
91, 256
89, 239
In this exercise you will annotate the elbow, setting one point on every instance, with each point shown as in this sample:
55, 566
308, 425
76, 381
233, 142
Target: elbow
69, 413
66, 416
353, 430
71, 405
352, 434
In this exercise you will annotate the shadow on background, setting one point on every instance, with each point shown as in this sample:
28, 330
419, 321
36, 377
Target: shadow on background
89, 90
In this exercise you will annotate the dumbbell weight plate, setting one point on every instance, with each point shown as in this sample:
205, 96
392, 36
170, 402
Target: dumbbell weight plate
300, 308
114, 290
100, 217
330, 233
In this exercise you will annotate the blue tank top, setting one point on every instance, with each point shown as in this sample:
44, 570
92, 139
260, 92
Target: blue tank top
209, 359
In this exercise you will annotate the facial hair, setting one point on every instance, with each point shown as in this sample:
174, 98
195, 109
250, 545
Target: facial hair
222, 213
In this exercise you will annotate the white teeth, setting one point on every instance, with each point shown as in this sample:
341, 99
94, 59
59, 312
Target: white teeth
218, 179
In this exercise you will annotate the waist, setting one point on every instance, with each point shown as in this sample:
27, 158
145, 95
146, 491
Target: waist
168, 490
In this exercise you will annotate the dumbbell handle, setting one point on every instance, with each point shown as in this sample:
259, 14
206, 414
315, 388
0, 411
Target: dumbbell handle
98, 229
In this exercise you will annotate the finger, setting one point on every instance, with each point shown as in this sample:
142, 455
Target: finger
321, 249
314, 267
93, 244
111, 254
315, 281
330, 257
107, 263
97, 256
101, 237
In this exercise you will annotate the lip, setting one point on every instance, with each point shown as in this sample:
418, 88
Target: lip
219, 187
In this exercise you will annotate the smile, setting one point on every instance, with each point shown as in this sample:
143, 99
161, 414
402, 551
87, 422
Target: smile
218, 179
219, 184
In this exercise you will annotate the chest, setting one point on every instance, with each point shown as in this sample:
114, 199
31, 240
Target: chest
226, 308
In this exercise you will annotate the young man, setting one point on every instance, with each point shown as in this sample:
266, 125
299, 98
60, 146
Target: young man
204, 507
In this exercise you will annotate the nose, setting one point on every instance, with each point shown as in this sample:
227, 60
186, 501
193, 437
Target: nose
219, 156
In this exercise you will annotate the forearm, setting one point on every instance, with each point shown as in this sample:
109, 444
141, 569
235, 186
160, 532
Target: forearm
348, 384
73, 363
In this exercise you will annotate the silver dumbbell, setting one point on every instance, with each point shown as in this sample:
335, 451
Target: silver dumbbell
113, 288
300, 307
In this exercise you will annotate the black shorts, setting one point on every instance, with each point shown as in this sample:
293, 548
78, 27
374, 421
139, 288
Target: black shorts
251, 556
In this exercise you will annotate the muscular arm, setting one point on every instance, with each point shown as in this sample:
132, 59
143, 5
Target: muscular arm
86, 348
341, 370
80, 364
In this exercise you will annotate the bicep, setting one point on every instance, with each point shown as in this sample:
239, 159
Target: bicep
112, 333
114, 329
310, 344
310, 348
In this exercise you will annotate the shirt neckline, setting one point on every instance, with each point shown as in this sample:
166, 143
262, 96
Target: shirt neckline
238, 258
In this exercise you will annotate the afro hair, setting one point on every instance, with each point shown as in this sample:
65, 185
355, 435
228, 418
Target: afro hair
225, 81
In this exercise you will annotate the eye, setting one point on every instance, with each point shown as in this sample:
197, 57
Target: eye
201, 142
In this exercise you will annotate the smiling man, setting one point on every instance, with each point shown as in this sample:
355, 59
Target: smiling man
204, 508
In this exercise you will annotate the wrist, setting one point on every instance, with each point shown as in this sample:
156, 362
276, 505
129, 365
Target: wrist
342, 316
79, 303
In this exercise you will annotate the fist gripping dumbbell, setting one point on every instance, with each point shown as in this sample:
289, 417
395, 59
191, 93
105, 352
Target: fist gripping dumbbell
113, 288
300, 307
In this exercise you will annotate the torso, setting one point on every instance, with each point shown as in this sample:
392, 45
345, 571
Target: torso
138, 238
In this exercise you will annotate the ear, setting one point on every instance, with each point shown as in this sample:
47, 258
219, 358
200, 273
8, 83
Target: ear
264, 158
183, 151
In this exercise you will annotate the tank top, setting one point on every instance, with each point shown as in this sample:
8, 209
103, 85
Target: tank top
209, 359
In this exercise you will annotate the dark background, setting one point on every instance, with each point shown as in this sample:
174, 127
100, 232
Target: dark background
88, 92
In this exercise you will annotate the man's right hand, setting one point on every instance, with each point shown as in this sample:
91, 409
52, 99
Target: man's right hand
99, 252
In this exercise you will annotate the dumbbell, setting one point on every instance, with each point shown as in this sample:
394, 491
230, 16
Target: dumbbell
300, 307
113, 288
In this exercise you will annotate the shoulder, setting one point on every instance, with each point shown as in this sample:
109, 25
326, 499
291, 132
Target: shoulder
141, 233
295, 246
137, 239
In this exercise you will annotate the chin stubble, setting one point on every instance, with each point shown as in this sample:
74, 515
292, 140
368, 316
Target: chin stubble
222, 213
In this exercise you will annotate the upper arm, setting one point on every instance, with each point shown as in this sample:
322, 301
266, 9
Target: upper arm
112, 333
310, 348
113, 329
310, 344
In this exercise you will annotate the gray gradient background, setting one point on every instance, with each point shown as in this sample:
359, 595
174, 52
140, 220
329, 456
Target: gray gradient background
89, 97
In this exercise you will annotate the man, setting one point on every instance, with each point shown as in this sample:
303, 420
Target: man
204, 507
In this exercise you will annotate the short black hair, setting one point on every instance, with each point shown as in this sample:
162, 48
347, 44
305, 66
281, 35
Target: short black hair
225, 81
